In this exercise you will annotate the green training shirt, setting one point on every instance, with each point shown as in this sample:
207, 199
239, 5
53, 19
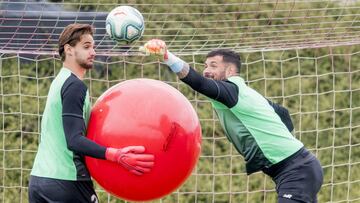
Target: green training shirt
255, 130
54, 159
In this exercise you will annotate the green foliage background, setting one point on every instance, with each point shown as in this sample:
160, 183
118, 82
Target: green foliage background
320, 87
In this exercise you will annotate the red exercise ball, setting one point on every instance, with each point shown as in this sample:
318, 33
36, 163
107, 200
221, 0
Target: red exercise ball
153, 114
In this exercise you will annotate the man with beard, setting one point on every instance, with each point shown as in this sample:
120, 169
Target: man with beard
59, 173
259, 129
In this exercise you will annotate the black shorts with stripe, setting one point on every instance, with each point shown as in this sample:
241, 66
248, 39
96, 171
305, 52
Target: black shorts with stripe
299, 179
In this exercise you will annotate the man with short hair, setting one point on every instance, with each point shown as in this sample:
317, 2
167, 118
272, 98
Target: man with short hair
259, 129
59, 173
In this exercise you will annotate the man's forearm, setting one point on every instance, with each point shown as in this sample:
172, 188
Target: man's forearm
184, 71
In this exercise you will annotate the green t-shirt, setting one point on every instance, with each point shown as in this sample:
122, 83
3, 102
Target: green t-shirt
254, 128
54, 159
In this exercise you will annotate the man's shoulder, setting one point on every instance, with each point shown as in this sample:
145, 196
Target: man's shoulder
74, 82
236, 79
73, 87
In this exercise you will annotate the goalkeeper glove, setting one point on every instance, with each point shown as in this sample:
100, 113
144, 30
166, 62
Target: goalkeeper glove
158, 47
131, 158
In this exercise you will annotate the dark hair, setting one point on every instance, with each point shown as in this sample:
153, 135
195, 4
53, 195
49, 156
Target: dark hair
72, 35
228, 55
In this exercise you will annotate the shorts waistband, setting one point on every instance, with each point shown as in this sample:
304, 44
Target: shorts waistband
275, 169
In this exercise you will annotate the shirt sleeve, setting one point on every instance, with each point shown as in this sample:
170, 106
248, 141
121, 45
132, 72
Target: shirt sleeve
73, 95
225, 91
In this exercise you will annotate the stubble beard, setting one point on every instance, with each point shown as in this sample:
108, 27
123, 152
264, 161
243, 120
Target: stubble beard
83, 63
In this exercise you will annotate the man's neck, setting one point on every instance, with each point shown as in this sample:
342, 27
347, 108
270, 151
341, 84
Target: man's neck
232, 74
76, 69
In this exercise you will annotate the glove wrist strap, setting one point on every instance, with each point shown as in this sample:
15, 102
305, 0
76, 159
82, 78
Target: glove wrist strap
175, 63
110, 154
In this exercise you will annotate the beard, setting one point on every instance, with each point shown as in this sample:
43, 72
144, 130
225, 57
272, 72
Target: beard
83, 63
218, 76
208, 75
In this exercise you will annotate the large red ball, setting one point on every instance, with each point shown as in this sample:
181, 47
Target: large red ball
149, 113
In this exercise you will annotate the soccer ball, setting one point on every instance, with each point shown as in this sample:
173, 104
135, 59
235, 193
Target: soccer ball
125, 24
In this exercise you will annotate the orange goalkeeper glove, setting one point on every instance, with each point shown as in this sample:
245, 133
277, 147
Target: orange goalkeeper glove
131, 158
158, 47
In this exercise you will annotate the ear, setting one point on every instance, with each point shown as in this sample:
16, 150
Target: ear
68, 50
235, 69
232, 69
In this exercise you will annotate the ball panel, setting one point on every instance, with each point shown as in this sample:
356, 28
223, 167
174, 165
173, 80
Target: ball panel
127, 24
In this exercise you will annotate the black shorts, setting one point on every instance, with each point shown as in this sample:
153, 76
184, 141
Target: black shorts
300, 179
43, 190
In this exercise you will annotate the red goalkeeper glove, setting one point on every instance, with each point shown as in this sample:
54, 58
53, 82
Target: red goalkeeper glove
155, 47
131, 158
158, 47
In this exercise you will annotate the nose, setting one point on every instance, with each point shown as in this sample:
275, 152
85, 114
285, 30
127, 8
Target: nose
93, 53
206, 72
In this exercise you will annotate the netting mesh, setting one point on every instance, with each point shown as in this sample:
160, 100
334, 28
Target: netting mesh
34, 26
301, 54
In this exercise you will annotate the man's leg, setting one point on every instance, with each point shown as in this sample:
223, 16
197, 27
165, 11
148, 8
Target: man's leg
33, 192
285, 200
301, 180
53, 190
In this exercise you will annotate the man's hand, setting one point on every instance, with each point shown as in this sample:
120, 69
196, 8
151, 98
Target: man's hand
155, 47
158, 47
132, 158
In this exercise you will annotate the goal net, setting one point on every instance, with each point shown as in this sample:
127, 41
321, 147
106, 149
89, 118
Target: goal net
303, 54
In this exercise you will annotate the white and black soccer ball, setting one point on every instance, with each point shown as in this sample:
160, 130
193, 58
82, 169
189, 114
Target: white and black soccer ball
125, 24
